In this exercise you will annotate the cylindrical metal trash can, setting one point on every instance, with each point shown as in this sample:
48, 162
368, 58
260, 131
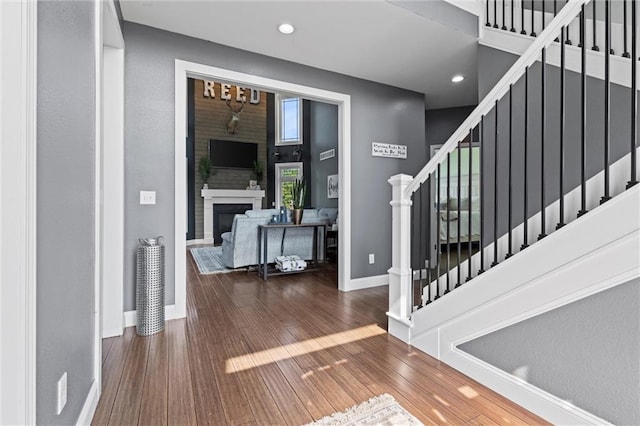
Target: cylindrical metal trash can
150, 286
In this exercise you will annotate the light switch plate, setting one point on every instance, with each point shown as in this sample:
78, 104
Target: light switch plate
147, 197
372, 258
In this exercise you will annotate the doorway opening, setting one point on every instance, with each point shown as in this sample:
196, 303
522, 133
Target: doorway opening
185, 70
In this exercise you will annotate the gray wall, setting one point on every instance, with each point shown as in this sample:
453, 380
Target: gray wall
586, 352
379, 113
324, 136
65, 197
492, 65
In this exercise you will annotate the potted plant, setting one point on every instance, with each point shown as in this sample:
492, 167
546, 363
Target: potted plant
204, 168
298, 193
258, 170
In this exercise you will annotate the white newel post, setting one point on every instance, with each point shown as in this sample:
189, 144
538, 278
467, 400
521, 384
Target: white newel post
400, 273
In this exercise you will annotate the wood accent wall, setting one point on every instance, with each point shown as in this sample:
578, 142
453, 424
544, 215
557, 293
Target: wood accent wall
211, 117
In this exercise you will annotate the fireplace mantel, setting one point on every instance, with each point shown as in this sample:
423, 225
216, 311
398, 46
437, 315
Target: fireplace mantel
226, 196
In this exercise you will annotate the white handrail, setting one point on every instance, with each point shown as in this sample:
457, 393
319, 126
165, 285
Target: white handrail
567, 14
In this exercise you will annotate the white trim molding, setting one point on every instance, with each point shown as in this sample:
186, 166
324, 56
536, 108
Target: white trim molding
18, 106
369, 282
184, 70
112, 288
89, 406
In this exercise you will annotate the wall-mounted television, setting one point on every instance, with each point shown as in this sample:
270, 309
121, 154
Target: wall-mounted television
233, 154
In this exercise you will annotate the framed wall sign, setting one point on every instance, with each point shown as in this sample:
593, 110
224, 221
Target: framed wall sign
325, 155
388, 150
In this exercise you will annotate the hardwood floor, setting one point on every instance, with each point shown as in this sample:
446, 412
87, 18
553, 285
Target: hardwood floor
286, 351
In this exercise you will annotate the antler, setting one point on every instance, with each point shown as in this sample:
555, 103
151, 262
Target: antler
233, 109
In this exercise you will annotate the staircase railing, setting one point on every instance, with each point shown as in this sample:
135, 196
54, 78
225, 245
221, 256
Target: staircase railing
526, 17
470, 214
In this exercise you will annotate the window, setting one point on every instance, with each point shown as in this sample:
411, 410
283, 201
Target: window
289, 120
286, 174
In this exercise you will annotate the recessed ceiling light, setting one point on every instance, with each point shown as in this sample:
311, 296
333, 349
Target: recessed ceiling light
286, 28
457, 78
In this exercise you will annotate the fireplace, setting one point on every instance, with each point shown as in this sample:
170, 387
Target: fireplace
223, 215
244, 197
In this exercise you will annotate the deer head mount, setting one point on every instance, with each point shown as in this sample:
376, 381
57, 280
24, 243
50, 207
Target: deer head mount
234, 122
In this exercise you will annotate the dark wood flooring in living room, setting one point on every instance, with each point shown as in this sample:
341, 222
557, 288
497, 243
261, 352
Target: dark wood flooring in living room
285, 351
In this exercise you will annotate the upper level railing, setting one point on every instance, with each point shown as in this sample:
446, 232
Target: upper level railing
504, 177
530, 17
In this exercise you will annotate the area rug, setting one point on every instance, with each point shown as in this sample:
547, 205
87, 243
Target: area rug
381, 410
209, 260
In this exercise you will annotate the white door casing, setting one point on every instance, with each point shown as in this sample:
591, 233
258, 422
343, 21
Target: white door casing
184, 70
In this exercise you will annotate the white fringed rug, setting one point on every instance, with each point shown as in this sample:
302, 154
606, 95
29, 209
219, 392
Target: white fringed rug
381, 410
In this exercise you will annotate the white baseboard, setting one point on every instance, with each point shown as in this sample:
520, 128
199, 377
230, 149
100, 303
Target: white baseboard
196, 242
90, 404
368, 282
130, 318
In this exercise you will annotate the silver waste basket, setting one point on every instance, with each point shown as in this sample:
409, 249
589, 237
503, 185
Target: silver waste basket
150, 286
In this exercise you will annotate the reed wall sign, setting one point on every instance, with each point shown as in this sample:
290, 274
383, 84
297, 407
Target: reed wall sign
225, 90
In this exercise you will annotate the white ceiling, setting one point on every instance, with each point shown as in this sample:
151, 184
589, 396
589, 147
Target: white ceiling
374, 40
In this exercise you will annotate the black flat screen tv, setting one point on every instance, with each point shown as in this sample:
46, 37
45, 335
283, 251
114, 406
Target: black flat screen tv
233, 154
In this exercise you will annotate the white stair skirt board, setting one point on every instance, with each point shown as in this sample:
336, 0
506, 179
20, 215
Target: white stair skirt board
130, 318
368, 282
516, 44
90, 405
564, 267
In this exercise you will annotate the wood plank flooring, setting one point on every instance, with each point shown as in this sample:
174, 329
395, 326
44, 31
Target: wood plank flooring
282, 352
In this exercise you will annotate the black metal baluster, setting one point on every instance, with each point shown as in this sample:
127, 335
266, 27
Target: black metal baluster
495, 190
525, 224
625, 54
420, 258
488, 24
634, 93
495, 14
481, 270
513, 30
607, 100
459, 243
582, 30
543, 129
533, 31
438, 234
428, 250
522, 30
595, 33
504, 27
470, 198
583, 117
563, 122
448, 223
510, 194
555, 13
568, 40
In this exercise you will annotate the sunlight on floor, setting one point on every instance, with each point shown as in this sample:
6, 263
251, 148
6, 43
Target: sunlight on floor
468, 392
268, 356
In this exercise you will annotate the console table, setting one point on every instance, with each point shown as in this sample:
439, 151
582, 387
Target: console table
264, 269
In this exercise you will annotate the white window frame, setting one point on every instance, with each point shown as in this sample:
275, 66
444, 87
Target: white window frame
278, 181
279, 132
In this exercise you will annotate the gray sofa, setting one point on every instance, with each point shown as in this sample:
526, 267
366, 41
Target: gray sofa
240, 246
